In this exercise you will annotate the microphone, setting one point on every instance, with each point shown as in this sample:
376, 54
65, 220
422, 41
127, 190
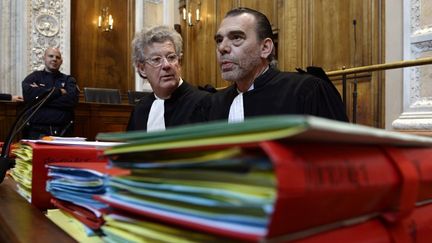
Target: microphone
28, 112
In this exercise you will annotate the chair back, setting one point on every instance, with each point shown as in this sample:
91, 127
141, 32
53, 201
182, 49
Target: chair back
102, 95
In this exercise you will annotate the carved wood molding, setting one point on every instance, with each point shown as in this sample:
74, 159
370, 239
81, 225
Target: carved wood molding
417, 109
46, 28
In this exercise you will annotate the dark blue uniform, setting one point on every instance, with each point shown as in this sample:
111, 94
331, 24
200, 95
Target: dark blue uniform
57, 115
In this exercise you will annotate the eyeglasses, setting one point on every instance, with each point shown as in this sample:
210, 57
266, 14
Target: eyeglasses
156, 61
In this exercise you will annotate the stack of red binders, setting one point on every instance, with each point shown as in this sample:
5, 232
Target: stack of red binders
335, 182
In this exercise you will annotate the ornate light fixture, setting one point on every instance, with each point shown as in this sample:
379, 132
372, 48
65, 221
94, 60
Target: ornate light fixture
187, 13
105, 20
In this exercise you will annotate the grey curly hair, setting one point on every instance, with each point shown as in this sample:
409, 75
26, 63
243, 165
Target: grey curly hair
158, 34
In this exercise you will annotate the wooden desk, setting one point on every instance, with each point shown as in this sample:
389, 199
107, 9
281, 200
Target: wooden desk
90, 118
93, 118
20, 222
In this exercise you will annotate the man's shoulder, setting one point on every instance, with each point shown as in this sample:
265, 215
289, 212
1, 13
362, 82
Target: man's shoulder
295, 75
191, 91
66, 75
33, 76
144, 104
297, 79
221, 94
148, 98
35, 72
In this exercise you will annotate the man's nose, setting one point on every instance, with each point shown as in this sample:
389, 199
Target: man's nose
224, 46
165, 63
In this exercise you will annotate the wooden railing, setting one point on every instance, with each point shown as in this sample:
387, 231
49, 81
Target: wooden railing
371, 68
377, 67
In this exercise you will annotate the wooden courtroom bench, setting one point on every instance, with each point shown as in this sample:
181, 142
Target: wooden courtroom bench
90, 118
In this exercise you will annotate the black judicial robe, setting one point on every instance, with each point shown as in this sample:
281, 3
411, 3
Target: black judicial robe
178, 109
277, 93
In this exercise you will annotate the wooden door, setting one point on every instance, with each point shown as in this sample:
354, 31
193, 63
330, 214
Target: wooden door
336, 34
102, 59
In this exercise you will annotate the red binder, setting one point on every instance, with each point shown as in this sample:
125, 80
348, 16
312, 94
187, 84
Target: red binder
320, 184
417, 227
82, 214
44, 154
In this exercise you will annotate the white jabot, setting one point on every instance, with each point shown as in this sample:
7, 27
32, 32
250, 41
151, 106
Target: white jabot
236, 112
156, 119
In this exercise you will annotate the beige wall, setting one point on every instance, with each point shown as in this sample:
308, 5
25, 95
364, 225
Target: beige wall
393, 52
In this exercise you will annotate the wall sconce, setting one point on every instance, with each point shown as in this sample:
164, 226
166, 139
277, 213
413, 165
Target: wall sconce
105, 20
187, 13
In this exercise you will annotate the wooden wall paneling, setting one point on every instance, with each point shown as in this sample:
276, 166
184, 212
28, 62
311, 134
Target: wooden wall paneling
207, 74
222, 7
331, 29
289, 51
130, 75
199, 65
268, 7
102, 59
321, 33
306, 40
364, 100
294, 34
369, 51
187, 58
378, 35
81, 38
201, 47
188, 52
92, 118
8, 114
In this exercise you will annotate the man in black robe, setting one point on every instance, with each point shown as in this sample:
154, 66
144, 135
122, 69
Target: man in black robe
245, 52
156, 55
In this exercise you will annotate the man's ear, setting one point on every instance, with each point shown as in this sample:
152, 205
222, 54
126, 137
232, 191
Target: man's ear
141, 70
266, 47
180, 60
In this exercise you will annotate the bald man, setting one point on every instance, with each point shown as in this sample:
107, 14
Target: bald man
56, 116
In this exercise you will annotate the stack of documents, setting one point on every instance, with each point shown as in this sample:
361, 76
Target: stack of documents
73, 227
120, 227
73, 186
269, 178
233, 188
31, 172
22, 173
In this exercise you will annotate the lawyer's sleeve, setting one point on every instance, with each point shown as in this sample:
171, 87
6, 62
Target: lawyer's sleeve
322, 99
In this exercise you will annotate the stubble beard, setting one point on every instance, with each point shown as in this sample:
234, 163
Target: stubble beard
231, 75
242, 71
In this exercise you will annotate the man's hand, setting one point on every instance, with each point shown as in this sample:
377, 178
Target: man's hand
16, 98
63, 91
34, 85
